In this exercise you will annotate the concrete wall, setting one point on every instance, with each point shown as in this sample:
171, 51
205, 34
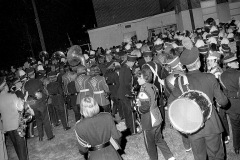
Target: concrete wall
234, 7
113, 35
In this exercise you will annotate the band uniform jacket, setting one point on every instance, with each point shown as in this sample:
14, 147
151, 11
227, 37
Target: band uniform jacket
9, 104
55, 93
112, 80
66, 78
229, 80
207, 83
98, 130
72, 93
150, 113
33, 86
99, 89
82, 87
125, 82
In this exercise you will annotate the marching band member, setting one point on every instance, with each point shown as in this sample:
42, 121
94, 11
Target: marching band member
95, 131
214, 68
56, 94
81, 83
230, 81
39, 106
125, 85
112, 79
207, 142
10, 105
99, 88
151, 118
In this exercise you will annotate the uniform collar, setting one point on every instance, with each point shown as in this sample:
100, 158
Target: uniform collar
194, 71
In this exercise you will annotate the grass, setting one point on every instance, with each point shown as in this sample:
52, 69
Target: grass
64, 146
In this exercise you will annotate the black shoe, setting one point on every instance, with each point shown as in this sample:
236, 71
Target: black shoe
40, 139
67, 128
236, 150
49, 139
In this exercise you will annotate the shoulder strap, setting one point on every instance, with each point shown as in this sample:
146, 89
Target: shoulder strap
185, 82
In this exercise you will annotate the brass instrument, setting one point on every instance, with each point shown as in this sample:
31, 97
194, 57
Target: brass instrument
75, 56
43, 55
24, 116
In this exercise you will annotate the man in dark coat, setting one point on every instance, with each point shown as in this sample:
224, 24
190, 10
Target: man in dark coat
112, 80
39, 106
207, 141
230, 81
57, 98
125, 86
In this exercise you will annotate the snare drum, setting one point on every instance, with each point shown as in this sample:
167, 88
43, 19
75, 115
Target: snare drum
190, 111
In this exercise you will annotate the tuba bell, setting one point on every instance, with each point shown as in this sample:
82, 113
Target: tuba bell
43, 55
75, 56
58, 55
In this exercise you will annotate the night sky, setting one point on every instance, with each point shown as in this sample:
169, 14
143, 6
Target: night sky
19, 37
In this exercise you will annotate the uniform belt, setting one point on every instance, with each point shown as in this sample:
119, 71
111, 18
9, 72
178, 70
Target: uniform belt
98, 92
99, 147
84, 90
111, 84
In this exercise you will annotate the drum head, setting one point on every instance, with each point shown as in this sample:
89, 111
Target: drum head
185, 115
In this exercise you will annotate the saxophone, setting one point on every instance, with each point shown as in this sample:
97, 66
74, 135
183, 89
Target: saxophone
25, 116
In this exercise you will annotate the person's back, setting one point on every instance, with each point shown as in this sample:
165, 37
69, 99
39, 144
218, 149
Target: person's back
94, 132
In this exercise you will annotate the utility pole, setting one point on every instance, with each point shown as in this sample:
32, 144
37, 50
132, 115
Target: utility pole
29, 39
191, 14
38, 26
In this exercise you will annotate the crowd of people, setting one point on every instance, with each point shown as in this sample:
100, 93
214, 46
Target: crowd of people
135, 82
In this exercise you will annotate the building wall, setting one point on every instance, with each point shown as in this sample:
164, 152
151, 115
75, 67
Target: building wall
109, 12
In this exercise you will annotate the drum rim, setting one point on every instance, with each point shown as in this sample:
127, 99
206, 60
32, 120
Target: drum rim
177, 127
181, 97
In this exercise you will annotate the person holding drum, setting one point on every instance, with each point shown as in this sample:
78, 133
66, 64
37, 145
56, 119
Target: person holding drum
205, 139
230, 81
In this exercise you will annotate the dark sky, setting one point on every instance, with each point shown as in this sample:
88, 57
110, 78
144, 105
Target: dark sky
18, 31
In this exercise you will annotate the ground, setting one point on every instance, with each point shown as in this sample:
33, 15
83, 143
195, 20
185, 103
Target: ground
64, 146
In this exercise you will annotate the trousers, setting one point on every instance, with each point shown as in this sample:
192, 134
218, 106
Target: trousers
208, 147
153, 138
19, 144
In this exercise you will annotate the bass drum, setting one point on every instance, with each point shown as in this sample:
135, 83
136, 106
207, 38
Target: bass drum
169, 82
190, 111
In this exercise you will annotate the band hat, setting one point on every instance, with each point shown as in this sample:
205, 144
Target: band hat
214, 55
173, 63
229, 58
138, 45
131, 58
212, 40
147, 53
225, 48
189, 57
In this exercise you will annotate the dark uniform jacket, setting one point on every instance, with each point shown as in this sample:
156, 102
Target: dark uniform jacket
207, 83
55, 93
125, 81
72, 93
112, 80
33, 86
150, 113
95, 131
229, 80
